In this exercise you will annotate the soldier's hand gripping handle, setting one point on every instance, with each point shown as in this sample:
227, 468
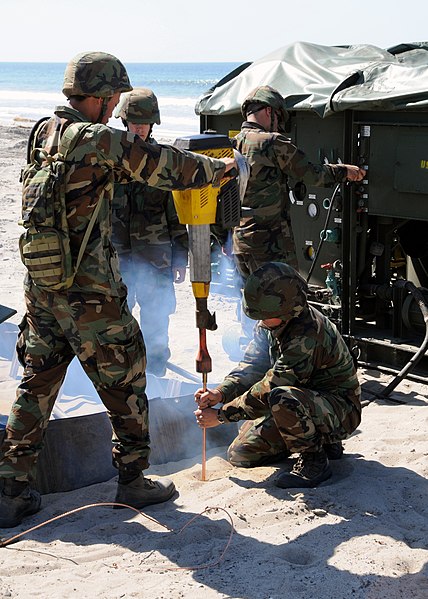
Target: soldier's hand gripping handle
354, 173
208, 398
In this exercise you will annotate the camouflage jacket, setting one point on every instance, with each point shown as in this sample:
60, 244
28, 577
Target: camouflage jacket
104, 155
265, 217
307, 352
146, 225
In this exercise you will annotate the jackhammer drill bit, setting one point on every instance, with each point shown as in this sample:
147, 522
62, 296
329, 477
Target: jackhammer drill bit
204, 438
204, 366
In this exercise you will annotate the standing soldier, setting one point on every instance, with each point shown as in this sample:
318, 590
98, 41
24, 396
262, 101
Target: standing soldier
151, 243
296, 385
264, 233
91, 318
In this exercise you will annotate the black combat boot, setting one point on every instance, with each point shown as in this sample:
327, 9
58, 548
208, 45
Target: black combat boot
142, 491
311, 469
17, 500
334, 451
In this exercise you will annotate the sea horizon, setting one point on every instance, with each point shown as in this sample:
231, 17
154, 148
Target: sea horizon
31, 90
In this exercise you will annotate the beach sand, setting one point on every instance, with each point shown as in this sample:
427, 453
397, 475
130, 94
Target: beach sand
363, 534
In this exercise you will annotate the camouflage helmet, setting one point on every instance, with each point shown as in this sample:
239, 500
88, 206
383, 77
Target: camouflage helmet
95, 74
265, 95
140, 106
275, 290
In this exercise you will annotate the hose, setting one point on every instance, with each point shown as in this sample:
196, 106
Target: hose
386, 370
324, 233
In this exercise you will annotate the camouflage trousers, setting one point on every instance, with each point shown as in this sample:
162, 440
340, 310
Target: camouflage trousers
299, 420
262, 246
248, 263
105, 337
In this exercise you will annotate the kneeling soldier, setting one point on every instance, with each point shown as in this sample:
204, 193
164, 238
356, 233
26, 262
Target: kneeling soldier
296, 385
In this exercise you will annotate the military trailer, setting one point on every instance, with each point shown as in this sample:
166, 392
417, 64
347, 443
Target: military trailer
363, 246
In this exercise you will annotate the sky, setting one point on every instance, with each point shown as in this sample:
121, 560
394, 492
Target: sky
197, 31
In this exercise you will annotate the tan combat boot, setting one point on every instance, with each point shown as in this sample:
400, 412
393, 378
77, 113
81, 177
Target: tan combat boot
17, 500
143, 491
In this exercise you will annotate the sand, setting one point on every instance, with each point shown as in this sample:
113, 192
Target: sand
363, 534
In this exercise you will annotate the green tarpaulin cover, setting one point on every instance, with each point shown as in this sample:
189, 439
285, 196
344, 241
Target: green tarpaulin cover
328, 79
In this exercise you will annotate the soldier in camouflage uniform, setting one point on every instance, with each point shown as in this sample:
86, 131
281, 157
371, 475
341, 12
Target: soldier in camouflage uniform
296, 386
264, 233
91, 319
151, 242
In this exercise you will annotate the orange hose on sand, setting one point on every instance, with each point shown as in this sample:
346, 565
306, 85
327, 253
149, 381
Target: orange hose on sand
14, 538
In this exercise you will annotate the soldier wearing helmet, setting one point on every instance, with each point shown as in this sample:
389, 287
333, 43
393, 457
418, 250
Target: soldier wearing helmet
262, 97
139, 107
94, 81
265, 232
296, 385
91, 320
151, 242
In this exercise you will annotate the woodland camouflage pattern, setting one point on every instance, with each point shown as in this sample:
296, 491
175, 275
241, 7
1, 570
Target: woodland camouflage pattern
297, 382
140, 106
146, 225
95, 74
103, 156
104, 335
275, 290
264, 233
91, 319
149, 239
151, 243
265, 95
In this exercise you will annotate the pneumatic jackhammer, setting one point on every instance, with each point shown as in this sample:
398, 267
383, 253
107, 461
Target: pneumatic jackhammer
198, 209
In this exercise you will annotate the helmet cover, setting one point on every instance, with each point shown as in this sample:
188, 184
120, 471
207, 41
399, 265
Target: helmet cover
140, 106
275, 290
96, 74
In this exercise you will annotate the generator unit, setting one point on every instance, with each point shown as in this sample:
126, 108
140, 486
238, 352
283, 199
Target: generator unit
370, 237
363, 246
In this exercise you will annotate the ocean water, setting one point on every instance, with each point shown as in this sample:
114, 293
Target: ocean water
32, 90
